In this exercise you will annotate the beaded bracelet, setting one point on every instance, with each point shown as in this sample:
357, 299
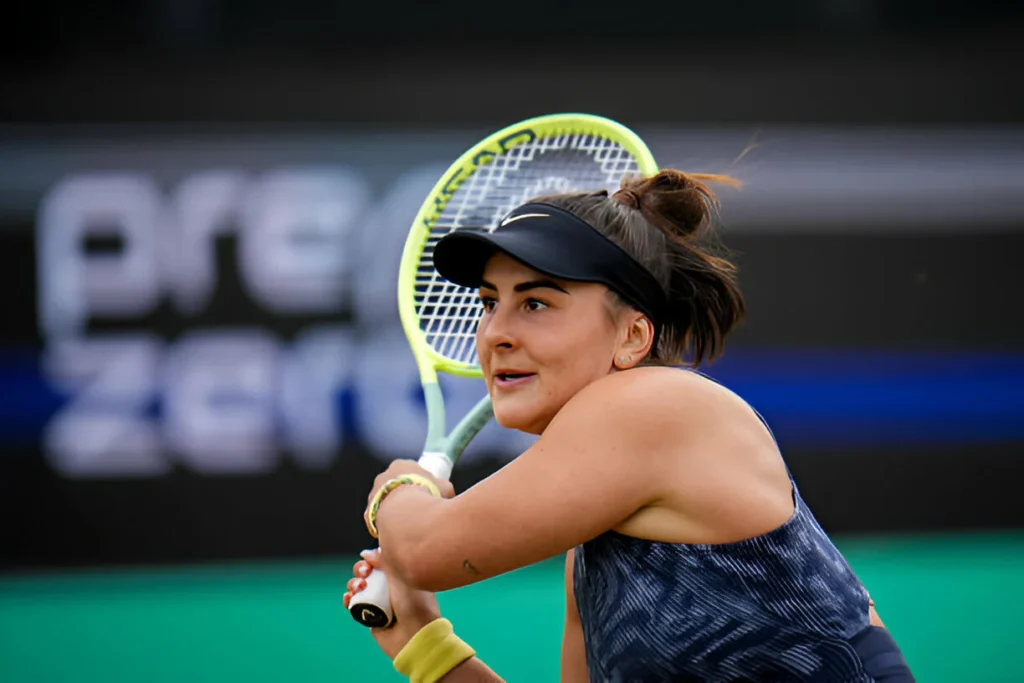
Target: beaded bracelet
389, 486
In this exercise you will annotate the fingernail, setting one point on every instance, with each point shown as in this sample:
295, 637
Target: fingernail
363, 571
364, 553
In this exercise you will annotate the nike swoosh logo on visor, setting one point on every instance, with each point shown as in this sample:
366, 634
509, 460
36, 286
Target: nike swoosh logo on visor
513, 219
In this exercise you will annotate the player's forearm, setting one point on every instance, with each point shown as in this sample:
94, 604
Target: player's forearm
471, 671
431, 545
407, 523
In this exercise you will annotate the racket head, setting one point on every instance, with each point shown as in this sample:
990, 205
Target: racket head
543, 155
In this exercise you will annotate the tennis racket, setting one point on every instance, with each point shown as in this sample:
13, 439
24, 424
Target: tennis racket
539, 156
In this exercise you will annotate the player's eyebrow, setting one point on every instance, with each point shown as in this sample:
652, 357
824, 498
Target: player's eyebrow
544, 283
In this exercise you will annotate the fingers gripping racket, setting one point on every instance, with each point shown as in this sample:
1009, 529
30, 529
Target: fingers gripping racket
540, 156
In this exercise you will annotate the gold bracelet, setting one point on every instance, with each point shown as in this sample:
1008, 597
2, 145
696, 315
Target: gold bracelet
432, 653
389, 486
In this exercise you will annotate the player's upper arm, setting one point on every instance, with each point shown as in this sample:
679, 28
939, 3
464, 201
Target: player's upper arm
574, 655
595, 465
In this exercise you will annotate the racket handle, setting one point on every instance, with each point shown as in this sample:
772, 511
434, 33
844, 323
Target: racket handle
371, 606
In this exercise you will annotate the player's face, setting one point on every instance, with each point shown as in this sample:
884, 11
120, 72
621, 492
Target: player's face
540, 341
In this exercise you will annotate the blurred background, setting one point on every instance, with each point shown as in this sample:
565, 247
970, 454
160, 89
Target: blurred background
202, 204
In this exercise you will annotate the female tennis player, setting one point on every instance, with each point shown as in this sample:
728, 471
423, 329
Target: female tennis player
690, 554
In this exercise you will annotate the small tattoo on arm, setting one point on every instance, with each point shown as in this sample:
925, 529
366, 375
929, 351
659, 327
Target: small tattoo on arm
468, 566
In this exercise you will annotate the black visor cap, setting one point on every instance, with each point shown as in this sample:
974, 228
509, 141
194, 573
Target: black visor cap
554, 242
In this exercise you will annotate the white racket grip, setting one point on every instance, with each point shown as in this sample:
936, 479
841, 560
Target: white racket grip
437, 464
371, 606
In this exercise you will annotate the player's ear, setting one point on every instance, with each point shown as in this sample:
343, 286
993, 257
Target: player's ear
637, 340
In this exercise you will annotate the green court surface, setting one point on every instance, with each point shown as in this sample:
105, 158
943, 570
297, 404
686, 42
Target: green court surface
954, 603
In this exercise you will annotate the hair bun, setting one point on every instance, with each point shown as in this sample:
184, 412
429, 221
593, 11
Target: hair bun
679, 203
627, 197
670, 180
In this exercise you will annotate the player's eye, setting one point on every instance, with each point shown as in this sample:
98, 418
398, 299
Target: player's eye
488, 302
534, 305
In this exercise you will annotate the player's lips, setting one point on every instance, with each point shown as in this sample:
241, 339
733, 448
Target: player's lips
507, 379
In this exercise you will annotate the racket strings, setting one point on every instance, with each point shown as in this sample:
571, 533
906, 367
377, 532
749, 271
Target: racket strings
448, 313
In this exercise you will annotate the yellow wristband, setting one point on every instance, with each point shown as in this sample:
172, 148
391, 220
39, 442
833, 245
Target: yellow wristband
432, 652
389, 486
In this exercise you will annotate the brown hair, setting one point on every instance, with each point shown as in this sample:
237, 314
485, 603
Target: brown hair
666, 223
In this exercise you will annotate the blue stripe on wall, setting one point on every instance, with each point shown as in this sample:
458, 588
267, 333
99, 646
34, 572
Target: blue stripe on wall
26, 399
837, 397
810, 397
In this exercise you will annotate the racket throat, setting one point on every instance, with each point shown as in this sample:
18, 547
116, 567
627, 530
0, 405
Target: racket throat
436, 424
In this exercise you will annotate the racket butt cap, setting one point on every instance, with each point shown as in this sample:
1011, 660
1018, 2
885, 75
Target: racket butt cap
370, 616
371, 606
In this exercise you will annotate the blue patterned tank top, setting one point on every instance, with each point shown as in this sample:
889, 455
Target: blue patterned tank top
784, 606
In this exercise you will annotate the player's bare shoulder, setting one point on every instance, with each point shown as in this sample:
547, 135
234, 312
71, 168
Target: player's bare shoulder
648, 403
654, 386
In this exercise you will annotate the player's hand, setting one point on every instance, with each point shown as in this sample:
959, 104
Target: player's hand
413, 608
399, 467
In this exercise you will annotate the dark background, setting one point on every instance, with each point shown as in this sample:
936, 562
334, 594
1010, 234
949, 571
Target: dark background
424, 64
879, 235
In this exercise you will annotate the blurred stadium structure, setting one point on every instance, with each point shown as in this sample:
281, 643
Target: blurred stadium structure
201, 207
